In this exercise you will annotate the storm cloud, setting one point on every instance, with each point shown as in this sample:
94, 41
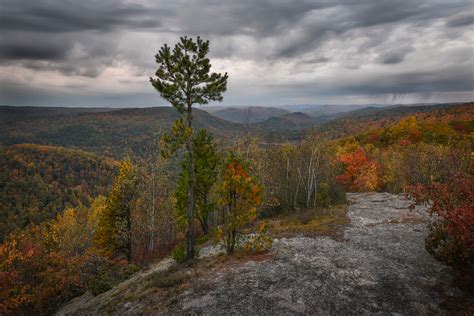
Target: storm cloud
100, 53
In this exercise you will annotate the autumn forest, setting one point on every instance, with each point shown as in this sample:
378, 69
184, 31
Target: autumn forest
89, 197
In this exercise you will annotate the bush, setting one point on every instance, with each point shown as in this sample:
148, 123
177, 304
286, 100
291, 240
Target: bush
323, 197
337, 194
451, 234
179, 252
259, 241
100, 273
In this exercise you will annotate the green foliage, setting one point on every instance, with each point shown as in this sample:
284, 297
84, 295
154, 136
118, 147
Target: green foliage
114, 230
38, 182
171, 143
323, 197
179, 253
206, 160
184, 78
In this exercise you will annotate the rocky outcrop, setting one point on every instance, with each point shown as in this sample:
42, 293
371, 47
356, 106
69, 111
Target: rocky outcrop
379, 266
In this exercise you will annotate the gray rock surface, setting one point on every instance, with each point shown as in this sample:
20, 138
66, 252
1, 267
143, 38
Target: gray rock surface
380, 266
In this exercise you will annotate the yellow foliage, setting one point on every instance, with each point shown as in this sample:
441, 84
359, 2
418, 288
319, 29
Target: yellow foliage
239, 195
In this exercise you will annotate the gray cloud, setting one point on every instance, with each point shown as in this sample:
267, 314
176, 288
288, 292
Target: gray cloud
105, 48
21, 50
462, 19
73, 16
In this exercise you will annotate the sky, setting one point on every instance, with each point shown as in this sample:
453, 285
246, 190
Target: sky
276, 52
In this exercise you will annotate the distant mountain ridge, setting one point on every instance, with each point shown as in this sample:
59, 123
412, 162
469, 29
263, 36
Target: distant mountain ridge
250, 114
118, 132
359, 120
24, 112
113, 133
291, 121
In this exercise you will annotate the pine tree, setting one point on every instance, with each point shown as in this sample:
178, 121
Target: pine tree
113, 234
206, 160
183, 78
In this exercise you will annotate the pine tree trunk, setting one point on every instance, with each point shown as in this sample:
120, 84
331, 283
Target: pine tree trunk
189, 148
128, 243
151, 245
205, 217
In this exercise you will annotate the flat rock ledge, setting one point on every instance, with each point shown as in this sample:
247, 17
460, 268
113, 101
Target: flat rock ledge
380, 266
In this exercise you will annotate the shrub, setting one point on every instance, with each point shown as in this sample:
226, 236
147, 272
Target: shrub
323, 197
451, 233
179, 253
100, 273
258, 241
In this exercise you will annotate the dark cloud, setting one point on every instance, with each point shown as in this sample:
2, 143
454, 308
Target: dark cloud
392, 59
12, 51
73, 16
311, 43
394, 55
461, 19
416, 82
448, 79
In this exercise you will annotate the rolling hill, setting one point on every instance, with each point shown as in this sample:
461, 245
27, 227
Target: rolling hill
37, 182
10, 113
344, 124
327, 110
136, 131
251, 114
291, 121
113, 133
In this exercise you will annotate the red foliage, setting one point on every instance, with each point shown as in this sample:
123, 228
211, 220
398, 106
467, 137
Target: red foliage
452, 234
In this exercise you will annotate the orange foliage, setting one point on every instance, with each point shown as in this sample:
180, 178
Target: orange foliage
34, 278
239, 196
361, 173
